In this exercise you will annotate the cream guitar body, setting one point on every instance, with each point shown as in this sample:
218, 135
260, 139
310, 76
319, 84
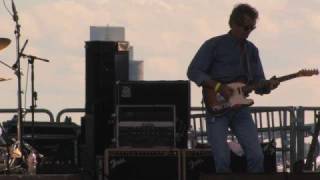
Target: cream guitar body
218, 105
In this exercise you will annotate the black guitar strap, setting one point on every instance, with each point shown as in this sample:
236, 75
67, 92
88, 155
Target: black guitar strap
246, 63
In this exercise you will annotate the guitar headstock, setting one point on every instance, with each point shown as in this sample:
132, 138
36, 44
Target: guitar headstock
307, 72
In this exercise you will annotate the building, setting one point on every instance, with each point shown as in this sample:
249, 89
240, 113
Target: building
113, 33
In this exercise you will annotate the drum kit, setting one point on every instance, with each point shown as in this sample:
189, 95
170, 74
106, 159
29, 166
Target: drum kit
16, 155
4, 42
12, 159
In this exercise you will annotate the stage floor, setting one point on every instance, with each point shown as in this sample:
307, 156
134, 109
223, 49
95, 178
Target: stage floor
232, 176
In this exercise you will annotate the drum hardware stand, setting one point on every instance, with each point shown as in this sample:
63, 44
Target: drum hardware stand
18, 147
17, 68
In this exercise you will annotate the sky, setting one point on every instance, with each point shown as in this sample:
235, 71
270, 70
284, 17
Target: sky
165, 34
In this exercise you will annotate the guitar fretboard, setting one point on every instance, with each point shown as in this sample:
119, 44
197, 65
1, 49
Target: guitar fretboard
248, 88
287, 77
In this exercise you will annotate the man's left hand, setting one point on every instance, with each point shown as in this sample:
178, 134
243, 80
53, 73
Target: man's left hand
273, 83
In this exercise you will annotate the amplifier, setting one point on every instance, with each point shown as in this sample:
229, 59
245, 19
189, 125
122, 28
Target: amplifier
159, 92
196, 162
142, 164
145, 126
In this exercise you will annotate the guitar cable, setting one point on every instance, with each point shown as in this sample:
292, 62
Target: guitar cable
202, 106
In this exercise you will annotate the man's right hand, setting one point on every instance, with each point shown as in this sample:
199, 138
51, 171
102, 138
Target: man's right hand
226, 91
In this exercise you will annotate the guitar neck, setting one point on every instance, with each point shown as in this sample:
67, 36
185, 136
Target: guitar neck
249, 88
287, 77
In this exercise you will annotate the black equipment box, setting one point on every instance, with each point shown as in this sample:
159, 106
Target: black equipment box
142, 164
58, 142
145, 126
175, 93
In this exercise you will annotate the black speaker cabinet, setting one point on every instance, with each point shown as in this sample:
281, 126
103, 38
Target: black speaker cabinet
142, 164
106, 63
159, 93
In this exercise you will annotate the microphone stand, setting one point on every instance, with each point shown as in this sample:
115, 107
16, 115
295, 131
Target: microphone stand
33, 99
34, 94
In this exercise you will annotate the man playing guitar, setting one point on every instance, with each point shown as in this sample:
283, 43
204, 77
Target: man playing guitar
231, 58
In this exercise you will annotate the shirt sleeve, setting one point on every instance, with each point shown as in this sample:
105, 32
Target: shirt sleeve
198, 68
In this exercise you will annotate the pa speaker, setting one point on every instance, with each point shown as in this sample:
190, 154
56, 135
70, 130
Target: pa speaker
105, 64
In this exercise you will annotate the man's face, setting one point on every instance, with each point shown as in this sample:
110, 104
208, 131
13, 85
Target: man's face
243, 30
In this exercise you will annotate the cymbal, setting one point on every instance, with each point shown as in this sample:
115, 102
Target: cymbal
4, 79
4, 42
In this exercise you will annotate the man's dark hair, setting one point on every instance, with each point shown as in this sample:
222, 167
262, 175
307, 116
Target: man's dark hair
239, 11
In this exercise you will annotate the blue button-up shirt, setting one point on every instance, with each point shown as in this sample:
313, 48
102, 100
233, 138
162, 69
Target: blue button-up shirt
220, 59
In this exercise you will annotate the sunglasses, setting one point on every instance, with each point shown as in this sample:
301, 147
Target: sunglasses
248, 27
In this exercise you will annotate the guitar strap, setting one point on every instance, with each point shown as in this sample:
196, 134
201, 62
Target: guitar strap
246, 63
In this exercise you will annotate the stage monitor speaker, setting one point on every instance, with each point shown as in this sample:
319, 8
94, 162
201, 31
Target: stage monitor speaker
142, 164
175, 93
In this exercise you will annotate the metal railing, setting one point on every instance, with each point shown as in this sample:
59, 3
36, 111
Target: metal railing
290, 127
306, 120
68, 110
14, 111
278, 124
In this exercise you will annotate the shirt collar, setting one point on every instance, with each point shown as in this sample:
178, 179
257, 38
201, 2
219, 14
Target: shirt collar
235, 40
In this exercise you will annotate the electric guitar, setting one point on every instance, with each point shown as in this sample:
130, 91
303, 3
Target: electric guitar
218, 105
